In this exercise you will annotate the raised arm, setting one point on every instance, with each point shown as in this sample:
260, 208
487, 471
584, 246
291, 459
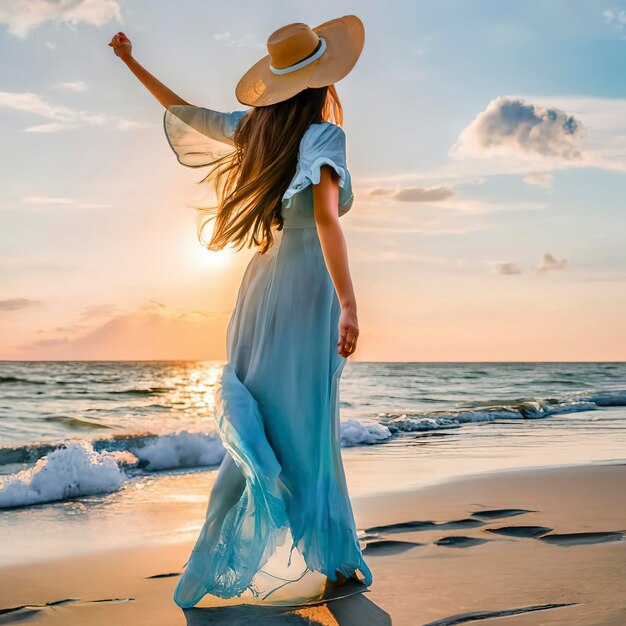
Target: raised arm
332, 240
123, 49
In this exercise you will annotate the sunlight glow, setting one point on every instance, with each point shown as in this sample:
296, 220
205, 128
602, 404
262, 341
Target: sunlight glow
199, 256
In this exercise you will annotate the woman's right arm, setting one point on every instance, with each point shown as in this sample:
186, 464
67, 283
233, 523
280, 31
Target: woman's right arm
123, 49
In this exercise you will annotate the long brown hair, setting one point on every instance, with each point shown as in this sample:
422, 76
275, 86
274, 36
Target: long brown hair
251, 180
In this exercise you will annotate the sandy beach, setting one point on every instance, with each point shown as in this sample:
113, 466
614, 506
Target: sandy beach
535, 546
301, 290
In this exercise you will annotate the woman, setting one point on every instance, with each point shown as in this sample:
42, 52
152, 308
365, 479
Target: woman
279, 526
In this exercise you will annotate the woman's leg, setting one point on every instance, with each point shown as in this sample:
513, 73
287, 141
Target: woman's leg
227, 489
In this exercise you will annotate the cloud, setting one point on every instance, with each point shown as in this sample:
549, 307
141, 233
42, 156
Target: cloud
97, 310
415, 194
17, 304
77, 85
602, 147
539, 179
33, 103
413, 230
510, 126
24, 16
443, 198
51, 127
549, 263
126, 124
152, 331
62, 117
62, 201
508, 268
617, 20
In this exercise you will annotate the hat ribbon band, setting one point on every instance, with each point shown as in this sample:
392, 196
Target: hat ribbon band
300, 64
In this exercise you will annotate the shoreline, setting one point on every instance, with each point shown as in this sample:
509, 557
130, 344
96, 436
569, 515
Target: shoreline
432, 549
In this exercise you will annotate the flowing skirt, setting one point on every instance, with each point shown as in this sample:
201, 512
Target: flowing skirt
279, 521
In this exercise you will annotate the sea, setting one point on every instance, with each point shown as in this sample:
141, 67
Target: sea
95, 440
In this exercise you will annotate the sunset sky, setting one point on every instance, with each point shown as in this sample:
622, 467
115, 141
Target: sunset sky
487, 145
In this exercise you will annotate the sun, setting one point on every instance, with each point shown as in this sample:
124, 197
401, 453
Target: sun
201, 257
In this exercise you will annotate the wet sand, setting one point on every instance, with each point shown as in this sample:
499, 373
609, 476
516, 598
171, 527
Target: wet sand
542, 546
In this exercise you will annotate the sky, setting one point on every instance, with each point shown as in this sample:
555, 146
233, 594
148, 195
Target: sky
486, 142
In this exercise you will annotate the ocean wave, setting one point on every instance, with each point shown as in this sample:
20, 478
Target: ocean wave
76, 423
523, 409
181, 449
17, 379
148, 391
70, 471
75, 468
407, 422
357, 433
81, 468
605, 398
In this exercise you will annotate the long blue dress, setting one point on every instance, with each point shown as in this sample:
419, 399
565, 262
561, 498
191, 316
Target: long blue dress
279, 520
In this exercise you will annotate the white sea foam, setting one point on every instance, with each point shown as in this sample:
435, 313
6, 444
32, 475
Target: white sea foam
411, 423
68, 472
531, 409
356, 433
181, 449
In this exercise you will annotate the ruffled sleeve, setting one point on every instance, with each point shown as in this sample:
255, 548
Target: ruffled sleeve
321, 144
199, 136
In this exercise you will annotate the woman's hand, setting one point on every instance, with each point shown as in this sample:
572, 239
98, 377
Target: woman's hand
348, 331
121, 46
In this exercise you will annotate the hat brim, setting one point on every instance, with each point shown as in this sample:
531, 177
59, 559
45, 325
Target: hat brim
344, 36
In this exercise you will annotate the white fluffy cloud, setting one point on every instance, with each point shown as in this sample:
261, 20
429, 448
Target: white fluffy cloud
61, 116
511, 126
25, 16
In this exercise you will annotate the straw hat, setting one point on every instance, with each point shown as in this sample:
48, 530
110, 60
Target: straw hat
301, 57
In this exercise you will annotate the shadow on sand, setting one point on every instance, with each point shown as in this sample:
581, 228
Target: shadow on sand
355, 610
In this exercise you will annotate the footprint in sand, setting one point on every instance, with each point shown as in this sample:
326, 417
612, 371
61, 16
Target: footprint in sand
580, 539
500, 513
465, 618
460, 542
405, 527
27, 611
389, 547
520, 531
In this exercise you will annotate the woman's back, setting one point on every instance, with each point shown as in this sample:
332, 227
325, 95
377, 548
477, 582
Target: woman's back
199, 136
